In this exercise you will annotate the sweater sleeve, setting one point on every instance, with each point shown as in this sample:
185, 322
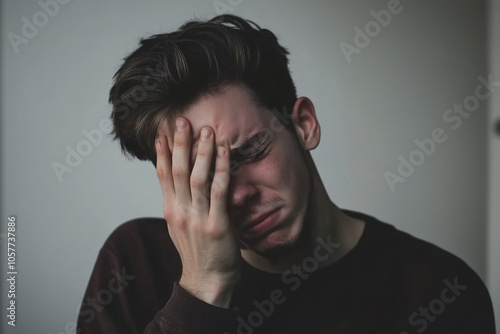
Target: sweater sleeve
122, 298
185, 313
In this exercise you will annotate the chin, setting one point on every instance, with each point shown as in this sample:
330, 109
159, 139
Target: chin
278, 244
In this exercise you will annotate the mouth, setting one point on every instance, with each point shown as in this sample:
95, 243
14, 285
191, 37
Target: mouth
262, 222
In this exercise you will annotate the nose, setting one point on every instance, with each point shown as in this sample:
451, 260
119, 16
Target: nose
242, 192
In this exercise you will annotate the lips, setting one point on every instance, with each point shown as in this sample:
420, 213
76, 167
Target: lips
258, 219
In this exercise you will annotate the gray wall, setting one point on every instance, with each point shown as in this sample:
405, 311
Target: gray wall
493, 264
372, 108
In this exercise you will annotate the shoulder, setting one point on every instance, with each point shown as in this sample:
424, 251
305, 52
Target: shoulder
138, 230
139, 263
425, 274
386, 241
141, 240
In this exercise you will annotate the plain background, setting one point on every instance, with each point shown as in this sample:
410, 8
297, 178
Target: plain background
371, 109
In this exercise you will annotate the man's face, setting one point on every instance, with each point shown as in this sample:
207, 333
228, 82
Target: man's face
269, 175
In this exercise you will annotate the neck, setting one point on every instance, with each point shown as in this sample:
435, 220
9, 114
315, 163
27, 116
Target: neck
323, 221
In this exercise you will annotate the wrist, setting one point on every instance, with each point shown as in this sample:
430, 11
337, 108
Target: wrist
216, 291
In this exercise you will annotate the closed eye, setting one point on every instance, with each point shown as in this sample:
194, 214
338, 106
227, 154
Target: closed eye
260, 155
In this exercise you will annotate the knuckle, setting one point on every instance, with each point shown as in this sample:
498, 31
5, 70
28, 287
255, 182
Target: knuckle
218, 192
202, 152
221, 180
180, 222
222, 170
166, 212
178, 173
178, 140
160, 172
214, 231
176, 216
198, 182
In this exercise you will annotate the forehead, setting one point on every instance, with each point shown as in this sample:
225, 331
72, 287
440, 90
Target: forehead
233, 114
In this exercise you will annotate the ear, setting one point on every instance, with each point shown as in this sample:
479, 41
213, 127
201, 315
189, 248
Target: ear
306, 124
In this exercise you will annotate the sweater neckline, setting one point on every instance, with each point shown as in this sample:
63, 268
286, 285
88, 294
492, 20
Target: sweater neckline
370, 224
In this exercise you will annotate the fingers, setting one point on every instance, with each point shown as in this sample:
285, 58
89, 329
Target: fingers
220, 184
181, 160
201, 170
164, 167
179, 183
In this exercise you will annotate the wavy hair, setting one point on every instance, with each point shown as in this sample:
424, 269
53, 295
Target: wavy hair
170, 71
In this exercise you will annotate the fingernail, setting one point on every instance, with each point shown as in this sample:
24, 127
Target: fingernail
180, 124
221, 151
205, 133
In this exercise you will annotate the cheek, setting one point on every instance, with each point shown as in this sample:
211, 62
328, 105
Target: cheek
296, 174
284, 172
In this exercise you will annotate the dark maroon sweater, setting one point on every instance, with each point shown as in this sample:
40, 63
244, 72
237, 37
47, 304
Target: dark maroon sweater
390, 282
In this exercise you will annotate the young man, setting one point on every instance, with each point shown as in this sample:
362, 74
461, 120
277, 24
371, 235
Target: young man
251, 242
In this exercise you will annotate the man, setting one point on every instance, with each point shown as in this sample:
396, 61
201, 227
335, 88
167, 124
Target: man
251, 242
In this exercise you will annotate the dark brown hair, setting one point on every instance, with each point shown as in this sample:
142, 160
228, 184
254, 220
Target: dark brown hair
168, 72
